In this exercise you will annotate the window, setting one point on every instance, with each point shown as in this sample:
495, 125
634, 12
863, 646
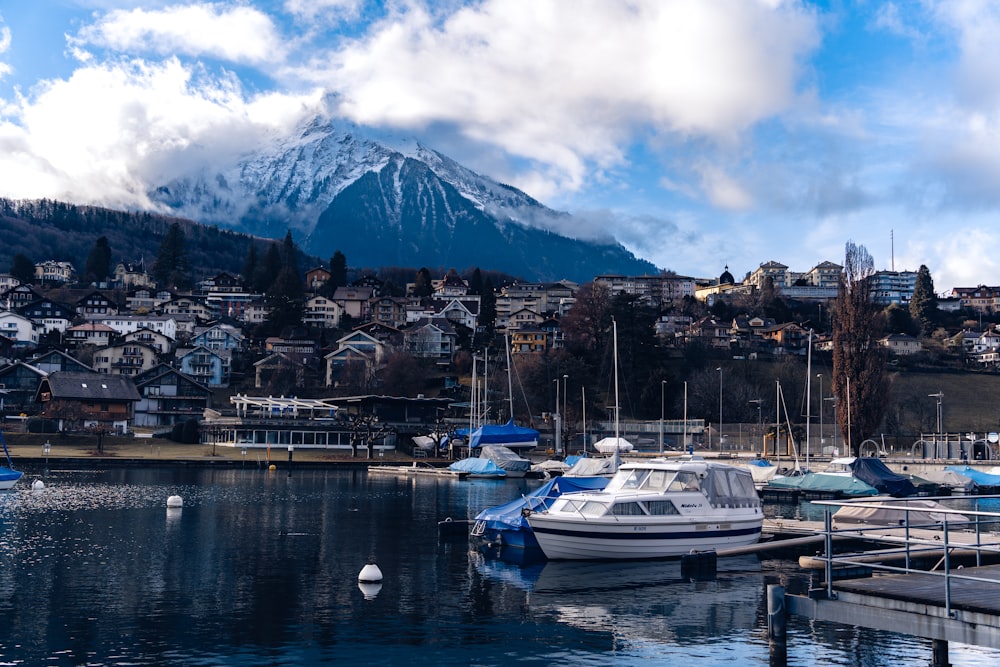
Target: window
627, 509
661, 507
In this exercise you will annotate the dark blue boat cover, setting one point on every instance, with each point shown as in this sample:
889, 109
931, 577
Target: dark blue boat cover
876, 473
509, 434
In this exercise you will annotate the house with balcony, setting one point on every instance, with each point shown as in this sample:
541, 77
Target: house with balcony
56, 360
49, 315
20, 380
154, 339
51, 271
281, 369
132, 276
167, 397
528, 340
127, 358
95, 305
219, 336
787, 338
89, 333
322, 313
391, 311
187, 305
18, 296
357, 347
431, 339
123, 324
462, 311
23, 332
316, 278
355, 300
88, 401
206, 366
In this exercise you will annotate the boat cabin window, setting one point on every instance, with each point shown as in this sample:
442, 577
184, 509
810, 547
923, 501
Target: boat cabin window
661, 507
627, 509
685, 481
657, 480
584, 507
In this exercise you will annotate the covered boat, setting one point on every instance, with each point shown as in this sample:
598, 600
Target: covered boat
983, 480
823, 484
477, 467
506, 459
510, 435
655, 508
596, 466
8, 476
948, 479
505, 525
874, 472
917, 512
613, 446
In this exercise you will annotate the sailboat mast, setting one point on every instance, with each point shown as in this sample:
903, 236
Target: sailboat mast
777, 418
615, 339
809, 357
510, 386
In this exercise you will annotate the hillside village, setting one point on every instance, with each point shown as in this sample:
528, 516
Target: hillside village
126, 353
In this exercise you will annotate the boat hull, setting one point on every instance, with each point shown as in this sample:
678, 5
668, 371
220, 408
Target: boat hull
564, 539
8, 478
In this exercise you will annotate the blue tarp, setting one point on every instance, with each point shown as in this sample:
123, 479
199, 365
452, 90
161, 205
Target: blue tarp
978, 476
508, 517
509, 434
477, 466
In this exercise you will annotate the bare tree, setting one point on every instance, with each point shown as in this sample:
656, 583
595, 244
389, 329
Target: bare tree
860, 381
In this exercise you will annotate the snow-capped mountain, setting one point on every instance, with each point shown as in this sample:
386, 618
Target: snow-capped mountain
386, 203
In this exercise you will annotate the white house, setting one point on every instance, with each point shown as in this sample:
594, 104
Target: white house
19, 329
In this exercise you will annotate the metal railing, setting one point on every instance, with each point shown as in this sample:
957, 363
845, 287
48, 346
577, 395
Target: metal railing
965, 532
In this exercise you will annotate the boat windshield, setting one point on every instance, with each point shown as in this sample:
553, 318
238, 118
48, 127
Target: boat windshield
580, 506
654, 481
685, 481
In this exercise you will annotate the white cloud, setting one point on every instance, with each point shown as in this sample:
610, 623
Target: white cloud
567, 85
233, 33
109, 132
310, 9
4, 45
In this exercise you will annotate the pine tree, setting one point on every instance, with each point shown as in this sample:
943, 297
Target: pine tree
422, 286
476, 282
860, 381
22, 268
286, 294
98, 265
923, 303
171, 268
250, 267
338, 270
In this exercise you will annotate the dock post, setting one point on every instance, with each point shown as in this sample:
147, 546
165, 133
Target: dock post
291, 448
777, 620
939, 653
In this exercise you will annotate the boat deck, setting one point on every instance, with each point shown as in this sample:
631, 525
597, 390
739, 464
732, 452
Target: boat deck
412, 470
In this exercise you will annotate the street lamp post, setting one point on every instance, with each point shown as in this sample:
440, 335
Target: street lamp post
938, 396
663, 383
760, 423
720, 408
821, 439
833, 401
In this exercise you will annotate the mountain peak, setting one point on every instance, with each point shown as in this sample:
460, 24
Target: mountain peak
386, 201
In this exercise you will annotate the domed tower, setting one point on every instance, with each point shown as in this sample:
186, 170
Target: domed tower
727, 278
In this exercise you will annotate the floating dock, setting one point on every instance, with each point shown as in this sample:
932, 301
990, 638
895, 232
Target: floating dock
412, 470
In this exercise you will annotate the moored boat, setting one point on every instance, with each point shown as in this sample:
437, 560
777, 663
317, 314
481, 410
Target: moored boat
505, 525
655, 508
506, 459
8, 476
477, 467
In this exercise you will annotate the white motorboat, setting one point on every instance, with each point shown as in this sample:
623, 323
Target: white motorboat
655, 508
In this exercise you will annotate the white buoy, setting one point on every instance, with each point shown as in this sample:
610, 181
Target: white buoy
175, 501
369, 590
370, 574
37, 485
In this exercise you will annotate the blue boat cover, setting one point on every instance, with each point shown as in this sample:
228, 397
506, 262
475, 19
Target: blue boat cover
477, 466
876, 473
508, 516
978, 476
499, 434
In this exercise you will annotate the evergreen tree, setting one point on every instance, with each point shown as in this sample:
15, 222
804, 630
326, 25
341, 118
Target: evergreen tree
923, 303
286, 294
171, 268
476, 282
488, 306
250, 267
422, 286
860, 381
22, 268
269, 269
338, 270
98, 265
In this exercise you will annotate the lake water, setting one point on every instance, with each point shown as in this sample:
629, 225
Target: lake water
262, 568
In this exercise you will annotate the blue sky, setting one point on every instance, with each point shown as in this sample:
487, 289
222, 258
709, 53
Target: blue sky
700, 133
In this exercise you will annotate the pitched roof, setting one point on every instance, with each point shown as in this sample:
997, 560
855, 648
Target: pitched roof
89, 386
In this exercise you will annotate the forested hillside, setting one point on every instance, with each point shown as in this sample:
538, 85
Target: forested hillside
45, 229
